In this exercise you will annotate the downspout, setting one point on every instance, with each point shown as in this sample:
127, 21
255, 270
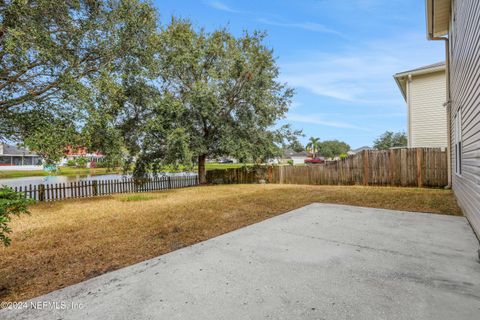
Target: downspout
448, 106
409, 115
448, 103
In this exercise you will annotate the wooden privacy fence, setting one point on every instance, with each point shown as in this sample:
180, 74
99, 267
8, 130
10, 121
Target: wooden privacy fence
92, 188
418, 167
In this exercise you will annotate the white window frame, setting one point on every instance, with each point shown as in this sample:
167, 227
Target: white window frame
457, 142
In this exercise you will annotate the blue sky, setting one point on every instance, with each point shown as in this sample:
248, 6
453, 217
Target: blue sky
338, 55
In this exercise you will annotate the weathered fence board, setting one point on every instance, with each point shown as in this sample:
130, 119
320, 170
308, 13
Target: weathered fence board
93, 188
418, 167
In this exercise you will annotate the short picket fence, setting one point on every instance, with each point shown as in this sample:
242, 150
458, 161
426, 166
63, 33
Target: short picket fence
93, 188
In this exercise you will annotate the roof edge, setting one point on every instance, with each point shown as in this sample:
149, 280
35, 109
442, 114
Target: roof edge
401, 87
440, 66
431, 68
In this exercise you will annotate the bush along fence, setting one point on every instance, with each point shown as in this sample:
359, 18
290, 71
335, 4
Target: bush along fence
239, 175
416, 167
92, 188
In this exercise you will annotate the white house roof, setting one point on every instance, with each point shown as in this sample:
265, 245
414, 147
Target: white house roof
290, 153
438, 17
361, 149
401, 77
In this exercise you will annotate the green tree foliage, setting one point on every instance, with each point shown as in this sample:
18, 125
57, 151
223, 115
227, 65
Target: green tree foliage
11, 204
124, 94
101, 74
219, 96
296, 146
333, 148
49, 138
81, 162
390, 139
71, 163
56, 55
313, 145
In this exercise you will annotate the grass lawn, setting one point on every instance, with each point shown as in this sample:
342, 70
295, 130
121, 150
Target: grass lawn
64, 171
65, 242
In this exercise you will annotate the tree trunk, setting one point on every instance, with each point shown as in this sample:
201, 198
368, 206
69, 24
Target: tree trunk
202, 174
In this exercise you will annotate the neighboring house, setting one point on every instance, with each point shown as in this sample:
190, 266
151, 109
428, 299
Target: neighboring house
457, 22
355, 151
14, 158
424, 90
71, 153
224, 159
296, 157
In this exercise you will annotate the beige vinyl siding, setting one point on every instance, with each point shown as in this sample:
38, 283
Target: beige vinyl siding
465, 96
428, 116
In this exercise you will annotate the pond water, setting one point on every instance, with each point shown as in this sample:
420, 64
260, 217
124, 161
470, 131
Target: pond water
25, 181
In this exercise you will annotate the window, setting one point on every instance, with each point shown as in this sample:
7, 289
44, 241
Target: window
5, 160
457, 140
17, 160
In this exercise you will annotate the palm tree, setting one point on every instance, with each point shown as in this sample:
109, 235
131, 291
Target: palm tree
313, 145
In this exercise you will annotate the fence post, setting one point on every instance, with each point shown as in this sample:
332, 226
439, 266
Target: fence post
94, 188
365, 167
41, 192
419, 167
169, 183
391, 167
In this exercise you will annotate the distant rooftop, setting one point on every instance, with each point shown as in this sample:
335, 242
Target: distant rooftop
6, 149
358, 150
292, 153
361, 149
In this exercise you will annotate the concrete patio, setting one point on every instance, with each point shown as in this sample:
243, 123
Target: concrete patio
317, 262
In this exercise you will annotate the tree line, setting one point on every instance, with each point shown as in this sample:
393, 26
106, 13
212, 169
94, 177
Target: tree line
337, 148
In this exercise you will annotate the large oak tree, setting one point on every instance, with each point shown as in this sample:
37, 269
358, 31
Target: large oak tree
219, 95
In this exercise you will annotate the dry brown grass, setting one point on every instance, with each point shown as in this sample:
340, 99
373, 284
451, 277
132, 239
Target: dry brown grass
66, 242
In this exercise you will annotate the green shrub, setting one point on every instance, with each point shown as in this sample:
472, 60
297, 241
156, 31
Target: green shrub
109, 163
101, 164
71, 163
290, 162
11, 204
81, 162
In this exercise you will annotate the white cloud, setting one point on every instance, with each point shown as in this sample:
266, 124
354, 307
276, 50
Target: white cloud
321, 120
363, 73
220, 6
311, 26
